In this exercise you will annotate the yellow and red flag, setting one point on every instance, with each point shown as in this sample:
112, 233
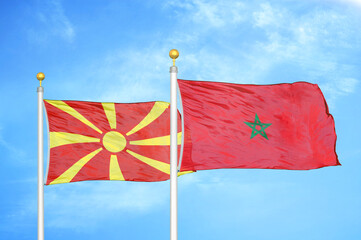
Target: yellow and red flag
108, 141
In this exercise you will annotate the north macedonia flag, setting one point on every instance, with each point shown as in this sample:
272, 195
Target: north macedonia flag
108, 141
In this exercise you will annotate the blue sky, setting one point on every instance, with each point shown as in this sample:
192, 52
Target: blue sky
118, 51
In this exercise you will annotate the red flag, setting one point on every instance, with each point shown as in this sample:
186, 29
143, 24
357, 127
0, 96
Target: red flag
281, 126
108, 141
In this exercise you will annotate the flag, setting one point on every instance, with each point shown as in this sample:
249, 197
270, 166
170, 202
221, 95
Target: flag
108, 141
280, 126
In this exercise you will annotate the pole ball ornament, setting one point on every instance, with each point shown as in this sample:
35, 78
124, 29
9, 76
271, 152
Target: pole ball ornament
173, 53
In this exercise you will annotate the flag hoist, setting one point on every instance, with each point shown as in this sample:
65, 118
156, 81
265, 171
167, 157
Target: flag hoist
173, 147
40, 76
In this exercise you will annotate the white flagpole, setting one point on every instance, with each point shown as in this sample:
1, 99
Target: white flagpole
173, 148
40, 76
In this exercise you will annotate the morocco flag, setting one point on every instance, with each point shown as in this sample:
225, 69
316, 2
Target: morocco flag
281, 126
108, 141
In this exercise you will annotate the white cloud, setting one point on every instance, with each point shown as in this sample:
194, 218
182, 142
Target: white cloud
52, 22
211, 13
214, 186
13, 151
85, 204
348, 85
335, 88
313, 44
123, 75
135, 75
356, 3
306, 41
267, 16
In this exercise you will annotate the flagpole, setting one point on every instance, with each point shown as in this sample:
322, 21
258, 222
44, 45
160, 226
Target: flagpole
40, 76
173, 148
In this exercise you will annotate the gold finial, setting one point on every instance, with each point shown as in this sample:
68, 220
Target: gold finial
173, 54
40, 76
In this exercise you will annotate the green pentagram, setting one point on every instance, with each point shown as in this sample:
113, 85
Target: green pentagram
261, 131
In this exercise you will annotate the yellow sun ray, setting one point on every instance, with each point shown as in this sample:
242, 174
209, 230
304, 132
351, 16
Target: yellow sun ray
114, 170
158, 141
70, 173
157, 110
109, 109
71, 111
63, 138
185, 172
161, 166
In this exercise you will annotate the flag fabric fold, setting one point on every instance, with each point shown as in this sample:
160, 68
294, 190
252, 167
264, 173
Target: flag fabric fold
280, 126
108, 141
